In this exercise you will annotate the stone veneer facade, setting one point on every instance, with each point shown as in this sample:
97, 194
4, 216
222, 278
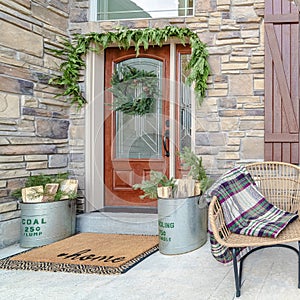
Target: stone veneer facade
43, 134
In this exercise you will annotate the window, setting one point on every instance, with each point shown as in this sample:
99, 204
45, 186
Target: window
136, 9
185, 115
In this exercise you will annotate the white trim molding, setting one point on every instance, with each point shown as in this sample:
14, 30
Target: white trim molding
93, 11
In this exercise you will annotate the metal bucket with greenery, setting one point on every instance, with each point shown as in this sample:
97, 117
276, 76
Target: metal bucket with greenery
182, 224
47, 222
48, 209
182, 212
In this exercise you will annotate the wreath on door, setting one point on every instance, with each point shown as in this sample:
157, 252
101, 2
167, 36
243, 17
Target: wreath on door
135, 91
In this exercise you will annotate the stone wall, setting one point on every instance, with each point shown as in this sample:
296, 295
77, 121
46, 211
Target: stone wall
230, 122
34, 125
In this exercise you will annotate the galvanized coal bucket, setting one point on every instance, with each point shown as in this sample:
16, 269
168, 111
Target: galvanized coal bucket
46, 222
182, 224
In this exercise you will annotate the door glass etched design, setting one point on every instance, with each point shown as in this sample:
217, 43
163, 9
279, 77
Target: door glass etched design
140, 136
185, 104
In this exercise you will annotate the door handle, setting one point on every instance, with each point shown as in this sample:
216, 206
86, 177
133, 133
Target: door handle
166, 143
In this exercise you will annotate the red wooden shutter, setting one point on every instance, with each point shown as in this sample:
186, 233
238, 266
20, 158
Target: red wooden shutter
281, 81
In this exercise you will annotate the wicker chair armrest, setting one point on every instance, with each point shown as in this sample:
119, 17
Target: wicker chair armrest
217, 222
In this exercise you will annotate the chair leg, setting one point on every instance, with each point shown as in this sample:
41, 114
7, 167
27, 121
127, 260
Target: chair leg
236, 273
241, 271
298, 264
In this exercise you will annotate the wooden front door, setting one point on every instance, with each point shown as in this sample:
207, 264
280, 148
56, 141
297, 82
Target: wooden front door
135, 144
281, 81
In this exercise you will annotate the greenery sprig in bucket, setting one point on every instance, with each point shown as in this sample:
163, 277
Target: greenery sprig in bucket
73, 52
196, 169
158, 181
47, 188
160, 186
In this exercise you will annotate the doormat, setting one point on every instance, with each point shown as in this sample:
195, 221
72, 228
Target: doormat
91, 253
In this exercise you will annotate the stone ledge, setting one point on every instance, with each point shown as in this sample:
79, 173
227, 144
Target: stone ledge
9, 232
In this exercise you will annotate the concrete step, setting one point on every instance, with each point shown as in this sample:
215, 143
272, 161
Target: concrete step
118, 222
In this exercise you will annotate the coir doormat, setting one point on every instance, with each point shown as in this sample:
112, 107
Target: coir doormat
92, 253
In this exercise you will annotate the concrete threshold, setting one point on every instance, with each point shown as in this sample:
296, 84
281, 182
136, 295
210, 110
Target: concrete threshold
118, 222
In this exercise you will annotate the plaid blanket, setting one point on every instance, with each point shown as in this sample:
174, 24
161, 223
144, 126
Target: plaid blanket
246, 211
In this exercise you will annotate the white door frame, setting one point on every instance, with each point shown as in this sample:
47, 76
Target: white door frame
94, 129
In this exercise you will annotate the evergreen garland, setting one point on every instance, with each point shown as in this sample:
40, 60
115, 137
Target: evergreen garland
72, 53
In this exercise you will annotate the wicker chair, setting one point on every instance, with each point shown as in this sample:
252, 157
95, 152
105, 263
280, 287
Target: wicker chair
280, 184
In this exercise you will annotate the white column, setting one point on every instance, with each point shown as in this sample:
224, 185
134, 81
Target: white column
94, 132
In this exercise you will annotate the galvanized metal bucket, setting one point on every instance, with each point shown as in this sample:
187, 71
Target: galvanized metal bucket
47, 222
182, 224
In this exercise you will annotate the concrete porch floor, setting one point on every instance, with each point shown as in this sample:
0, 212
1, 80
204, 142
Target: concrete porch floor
268, 274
